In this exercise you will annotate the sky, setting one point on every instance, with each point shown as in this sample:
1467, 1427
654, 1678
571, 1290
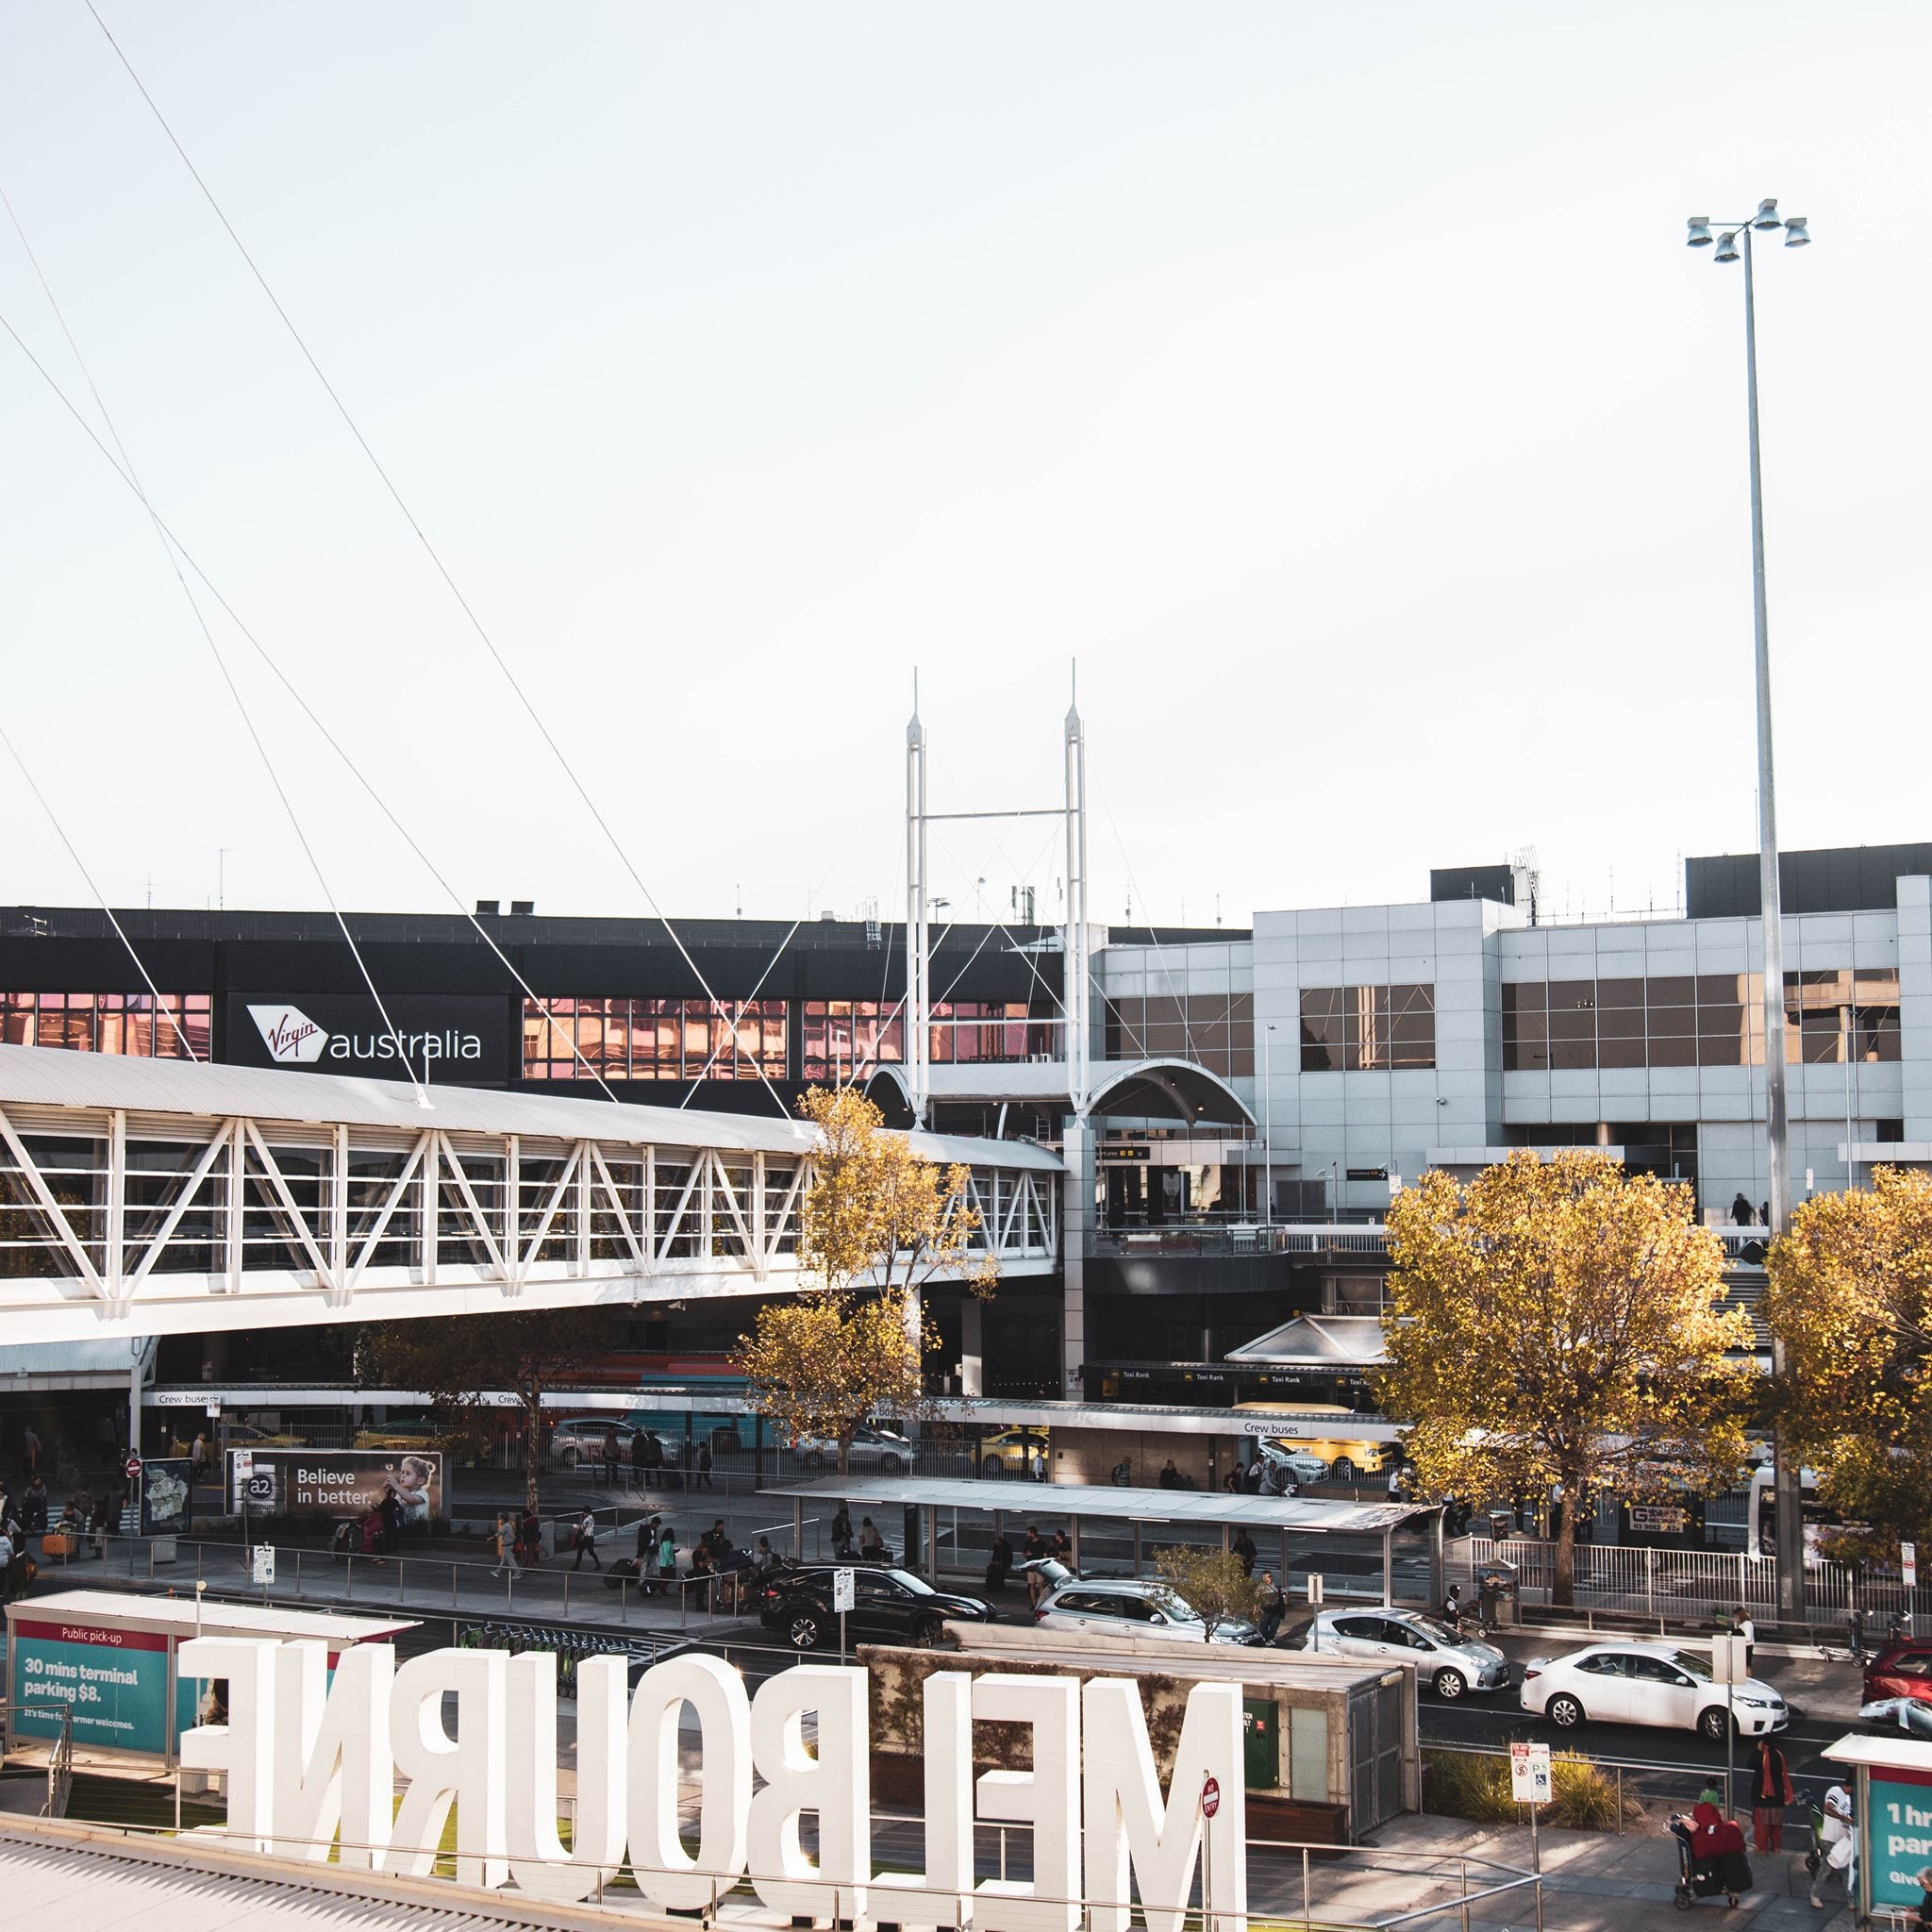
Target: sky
1332, 385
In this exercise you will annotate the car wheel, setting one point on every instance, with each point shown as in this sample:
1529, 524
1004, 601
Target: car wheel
891, 1465
927, 1631
802, 1631
567, 1455
1714, 1724
1450, 1685
993, 1466
1564, 1712
1341, 1471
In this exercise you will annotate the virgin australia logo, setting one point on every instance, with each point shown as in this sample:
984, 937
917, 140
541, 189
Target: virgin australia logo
292, 1039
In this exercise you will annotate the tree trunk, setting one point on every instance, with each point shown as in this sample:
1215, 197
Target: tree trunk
533, 1442
844, 1452
1563, 1584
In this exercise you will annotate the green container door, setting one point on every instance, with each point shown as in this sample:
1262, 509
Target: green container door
1262, 1741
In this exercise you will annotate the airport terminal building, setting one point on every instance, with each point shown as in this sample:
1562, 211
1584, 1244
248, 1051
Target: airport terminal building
1255, 1096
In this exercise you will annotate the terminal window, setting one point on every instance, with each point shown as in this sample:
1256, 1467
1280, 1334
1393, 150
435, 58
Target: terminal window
109, 1022
1359, 1029
1216, 1030
654, 1040
1698, 1020
843, 1037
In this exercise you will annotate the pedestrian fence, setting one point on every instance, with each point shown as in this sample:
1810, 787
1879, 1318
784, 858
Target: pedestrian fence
1675, 1584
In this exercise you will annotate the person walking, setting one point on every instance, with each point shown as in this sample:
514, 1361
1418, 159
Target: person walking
612, 1451
1273, 1607
704, 1465
584, 1541
1743, 1626
1741, 1211
505, 1547
1245, 1548
640, 1463
29, 1452
667, 1560
1771, 1792
1838, 1839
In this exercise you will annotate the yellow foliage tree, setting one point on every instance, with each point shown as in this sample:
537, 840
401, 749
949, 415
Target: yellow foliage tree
878, 1223
1849, 1295
1562, 1323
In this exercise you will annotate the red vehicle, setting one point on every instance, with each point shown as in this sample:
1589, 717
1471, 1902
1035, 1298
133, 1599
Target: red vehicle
1901, 1670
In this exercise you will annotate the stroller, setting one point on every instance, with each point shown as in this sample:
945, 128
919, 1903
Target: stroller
1728, 1873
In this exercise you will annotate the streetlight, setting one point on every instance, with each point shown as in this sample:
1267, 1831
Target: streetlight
1767, 221
1267, 1133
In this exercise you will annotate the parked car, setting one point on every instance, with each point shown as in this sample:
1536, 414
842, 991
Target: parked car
1448, 1664
580, 1439
1010, 1452
1299, 1463
1647, 1684
1902, 1668
1130, 1607
888, 1607
881, 1452
1911, 1715
403, 1432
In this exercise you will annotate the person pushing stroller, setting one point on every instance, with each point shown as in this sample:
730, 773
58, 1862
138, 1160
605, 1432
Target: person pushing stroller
1710, 1856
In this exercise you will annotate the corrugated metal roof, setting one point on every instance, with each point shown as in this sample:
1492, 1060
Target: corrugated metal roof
55, 1076
1207, 1507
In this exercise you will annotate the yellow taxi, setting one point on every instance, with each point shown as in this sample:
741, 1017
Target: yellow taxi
1306, 1431
1010, 1452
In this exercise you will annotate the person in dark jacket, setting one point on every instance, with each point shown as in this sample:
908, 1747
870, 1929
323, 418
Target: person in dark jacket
999, 1564
1741, 1211
1245, 1548
1771, 1792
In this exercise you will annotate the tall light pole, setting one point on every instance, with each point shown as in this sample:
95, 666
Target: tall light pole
1767, 221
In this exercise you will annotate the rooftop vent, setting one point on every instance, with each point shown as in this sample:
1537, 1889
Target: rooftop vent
488, 909
522, 908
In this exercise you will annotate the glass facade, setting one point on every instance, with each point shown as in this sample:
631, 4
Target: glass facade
1361, 1029
1214, 1029
655, 1039
1698, 1020
109, 1022
841, 1037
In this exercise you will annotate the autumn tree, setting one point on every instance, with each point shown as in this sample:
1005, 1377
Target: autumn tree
1849, 1295
1211, 1582
1562, 1323
876, 1225
459, 1360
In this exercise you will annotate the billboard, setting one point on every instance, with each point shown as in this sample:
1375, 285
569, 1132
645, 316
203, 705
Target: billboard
165, 1496
335, 1483
460, 1038
116, 1682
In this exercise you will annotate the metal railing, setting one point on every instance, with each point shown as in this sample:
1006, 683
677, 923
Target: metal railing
60, 1767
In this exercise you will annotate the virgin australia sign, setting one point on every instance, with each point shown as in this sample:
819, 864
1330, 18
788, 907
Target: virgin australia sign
294, 1040
309, 1761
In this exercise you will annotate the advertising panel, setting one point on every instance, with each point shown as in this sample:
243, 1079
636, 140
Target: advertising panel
1901, 1834
165, 1496
461, 1038
115, 1680
335, 1483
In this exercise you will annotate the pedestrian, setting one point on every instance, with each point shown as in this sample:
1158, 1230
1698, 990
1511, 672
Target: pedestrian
1854, 1630
1251, 1477
612, 1455
6, 1566
1771, 1792
1838, 1839
1170, 1477
97, 1529
765, 1559
999, 1562
531, 1533
1921, 1920
506, 1540
33, 1507
1273, 1607
392, 1511
1037, 1467
1741, 1210
584, 1541
842, 1532
872, 1545
1743, 1626
704, 1465
1245, 1548
647, 1540
667, 1560
640, 1465
29, 1452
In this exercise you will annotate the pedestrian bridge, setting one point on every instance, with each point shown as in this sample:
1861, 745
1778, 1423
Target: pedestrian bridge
148, 1197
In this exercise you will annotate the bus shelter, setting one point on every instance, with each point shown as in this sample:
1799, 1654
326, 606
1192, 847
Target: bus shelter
1359, 1549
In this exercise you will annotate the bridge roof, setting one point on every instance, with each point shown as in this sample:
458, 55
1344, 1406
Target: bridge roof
56, 1076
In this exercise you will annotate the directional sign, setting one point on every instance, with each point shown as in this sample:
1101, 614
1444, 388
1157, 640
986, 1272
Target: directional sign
844, 1590
1530, 1781
1211, 1796
1314, 1588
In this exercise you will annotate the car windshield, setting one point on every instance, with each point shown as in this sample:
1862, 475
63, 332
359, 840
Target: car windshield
917, 1585
1692, 1665
1175, 1608
1441, 1633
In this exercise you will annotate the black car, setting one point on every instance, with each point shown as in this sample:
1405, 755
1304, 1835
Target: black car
888, 1607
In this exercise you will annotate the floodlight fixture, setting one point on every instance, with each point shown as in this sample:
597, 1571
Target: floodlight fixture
1700, 236
1726, 248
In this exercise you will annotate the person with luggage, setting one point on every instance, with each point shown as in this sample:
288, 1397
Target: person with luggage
1710, 1855
584, 1541
1837, 1840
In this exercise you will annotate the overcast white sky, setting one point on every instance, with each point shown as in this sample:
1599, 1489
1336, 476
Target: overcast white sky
1331, 381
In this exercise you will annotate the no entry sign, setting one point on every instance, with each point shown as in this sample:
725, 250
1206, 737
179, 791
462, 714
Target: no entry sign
1210, 1797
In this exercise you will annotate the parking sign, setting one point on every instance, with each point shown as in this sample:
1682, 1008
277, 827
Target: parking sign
844, 1590
1529, 1774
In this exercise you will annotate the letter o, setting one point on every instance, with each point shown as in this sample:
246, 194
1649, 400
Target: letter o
666, 1874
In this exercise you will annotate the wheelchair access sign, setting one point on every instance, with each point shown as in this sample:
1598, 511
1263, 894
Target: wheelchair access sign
1530, 1780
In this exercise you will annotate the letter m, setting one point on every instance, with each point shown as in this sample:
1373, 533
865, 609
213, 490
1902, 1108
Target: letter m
1129, 1831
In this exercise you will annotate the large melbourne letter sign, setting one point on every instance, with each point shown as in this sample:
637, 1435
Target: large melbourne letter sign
309, 1761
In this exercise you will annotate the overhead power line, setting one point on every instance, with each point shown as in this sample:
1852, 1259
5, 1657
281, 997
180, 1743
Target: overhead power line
429, 549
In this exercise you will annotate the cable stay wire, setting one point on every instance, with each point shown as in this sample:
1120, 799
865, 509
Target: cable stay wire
421, 536
301, 702
221, 662
1153, 933
120, 932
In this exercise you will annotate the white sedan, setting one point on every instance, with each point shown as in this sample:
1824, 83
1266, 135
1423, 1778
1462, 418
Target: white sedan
1449, 1664
1648, 1683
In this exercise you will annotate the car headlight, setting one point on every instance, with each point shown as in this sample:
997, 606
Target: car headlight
1755, 1702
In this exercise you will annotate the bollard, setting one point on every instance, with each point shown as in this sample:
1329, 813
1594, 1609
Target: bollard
1304, 1886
